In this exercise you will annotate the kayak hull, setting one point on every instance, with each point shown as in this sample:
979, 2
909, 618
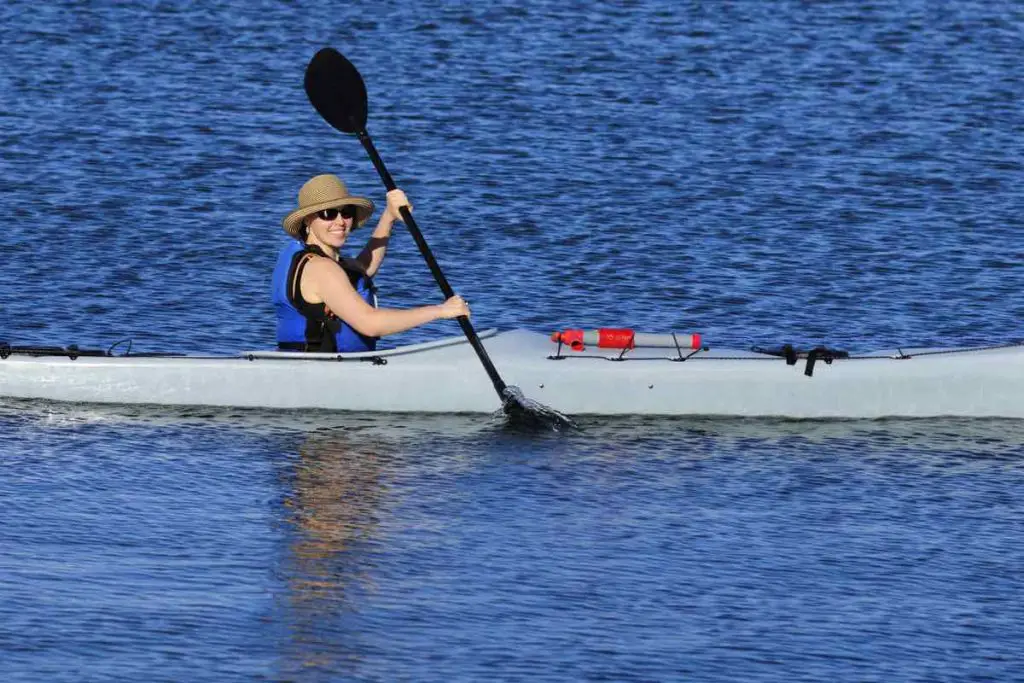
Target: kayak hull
447, 377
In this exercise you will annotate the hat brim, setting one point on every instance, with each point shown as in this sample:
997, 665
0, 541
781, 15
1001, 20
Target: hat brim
293, 222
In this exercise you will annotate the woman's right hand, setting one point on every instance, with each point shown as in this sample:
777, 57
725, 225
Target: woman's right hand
453, 308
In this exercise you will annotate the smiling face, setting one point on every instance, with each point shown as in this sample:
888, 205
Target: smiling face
330, 228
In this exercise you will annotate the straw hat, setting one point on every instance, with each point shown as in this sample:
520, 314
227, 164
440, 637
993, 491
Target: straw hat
325, 192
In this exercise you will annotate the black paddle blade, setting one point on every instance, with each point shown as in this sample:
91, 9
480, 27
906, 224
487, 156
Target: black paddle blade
525, 413
336, 90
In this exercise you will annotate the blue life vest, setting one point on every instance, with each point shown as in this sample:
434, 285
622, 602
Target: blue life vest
302, 326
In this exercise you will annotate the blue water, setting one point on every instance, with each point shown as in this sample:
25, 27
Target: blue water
759, 172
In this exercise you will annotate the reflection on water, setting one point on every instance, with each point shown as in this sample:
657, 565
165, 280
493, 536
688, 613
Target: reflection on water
326, 545
396, 432
336, 491
338, 488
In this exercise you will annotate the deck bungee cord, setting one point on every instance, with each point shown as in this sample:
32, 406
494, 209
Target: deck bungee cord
626, 340
73, 351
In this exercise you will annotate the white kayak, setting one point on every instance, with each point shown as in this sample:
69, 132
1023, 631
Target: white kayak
445, 376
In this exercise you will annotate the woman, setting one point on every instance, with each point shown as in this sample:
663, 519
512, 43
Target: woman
325, 302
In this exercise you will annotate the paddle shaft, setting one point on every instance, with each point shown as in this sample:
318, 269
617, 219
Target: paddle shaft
442, 281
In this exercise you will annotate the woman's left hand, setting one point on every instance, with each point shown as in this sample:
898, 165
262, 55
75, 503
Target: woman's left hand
396, 200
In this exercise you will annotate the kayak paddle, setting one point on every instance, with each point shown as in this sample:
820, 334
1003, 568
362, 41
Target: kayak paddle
337, 91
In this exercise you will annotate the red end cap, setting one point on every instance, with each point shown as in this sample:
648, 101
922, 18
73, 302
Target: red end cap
572, 338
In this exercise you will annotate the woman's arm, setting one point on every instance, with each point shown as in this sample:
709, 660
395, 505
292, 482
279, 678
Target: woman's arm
372, 255
325, 281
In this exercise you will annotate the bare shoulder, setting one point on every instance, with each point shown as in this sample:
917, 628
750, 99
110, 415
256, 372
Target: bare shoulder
321, 269
317, 262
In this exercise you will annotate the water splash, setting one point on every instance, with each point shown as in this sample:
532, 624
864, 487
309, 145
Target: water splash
526, 413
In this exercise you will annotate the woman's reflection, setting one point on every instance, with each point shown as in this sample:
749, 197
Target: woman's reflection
339, 484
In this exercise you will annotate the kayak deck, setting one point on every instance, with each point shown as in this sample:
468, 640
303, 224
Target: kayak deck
445, 376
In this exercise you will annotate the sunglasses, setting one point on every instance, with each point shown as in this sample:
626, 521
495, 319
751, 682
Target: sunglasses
347, 211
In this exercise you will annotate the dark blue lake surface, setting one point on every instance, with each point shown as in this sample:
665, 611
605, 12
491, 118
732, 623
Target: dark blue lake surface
759, 172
